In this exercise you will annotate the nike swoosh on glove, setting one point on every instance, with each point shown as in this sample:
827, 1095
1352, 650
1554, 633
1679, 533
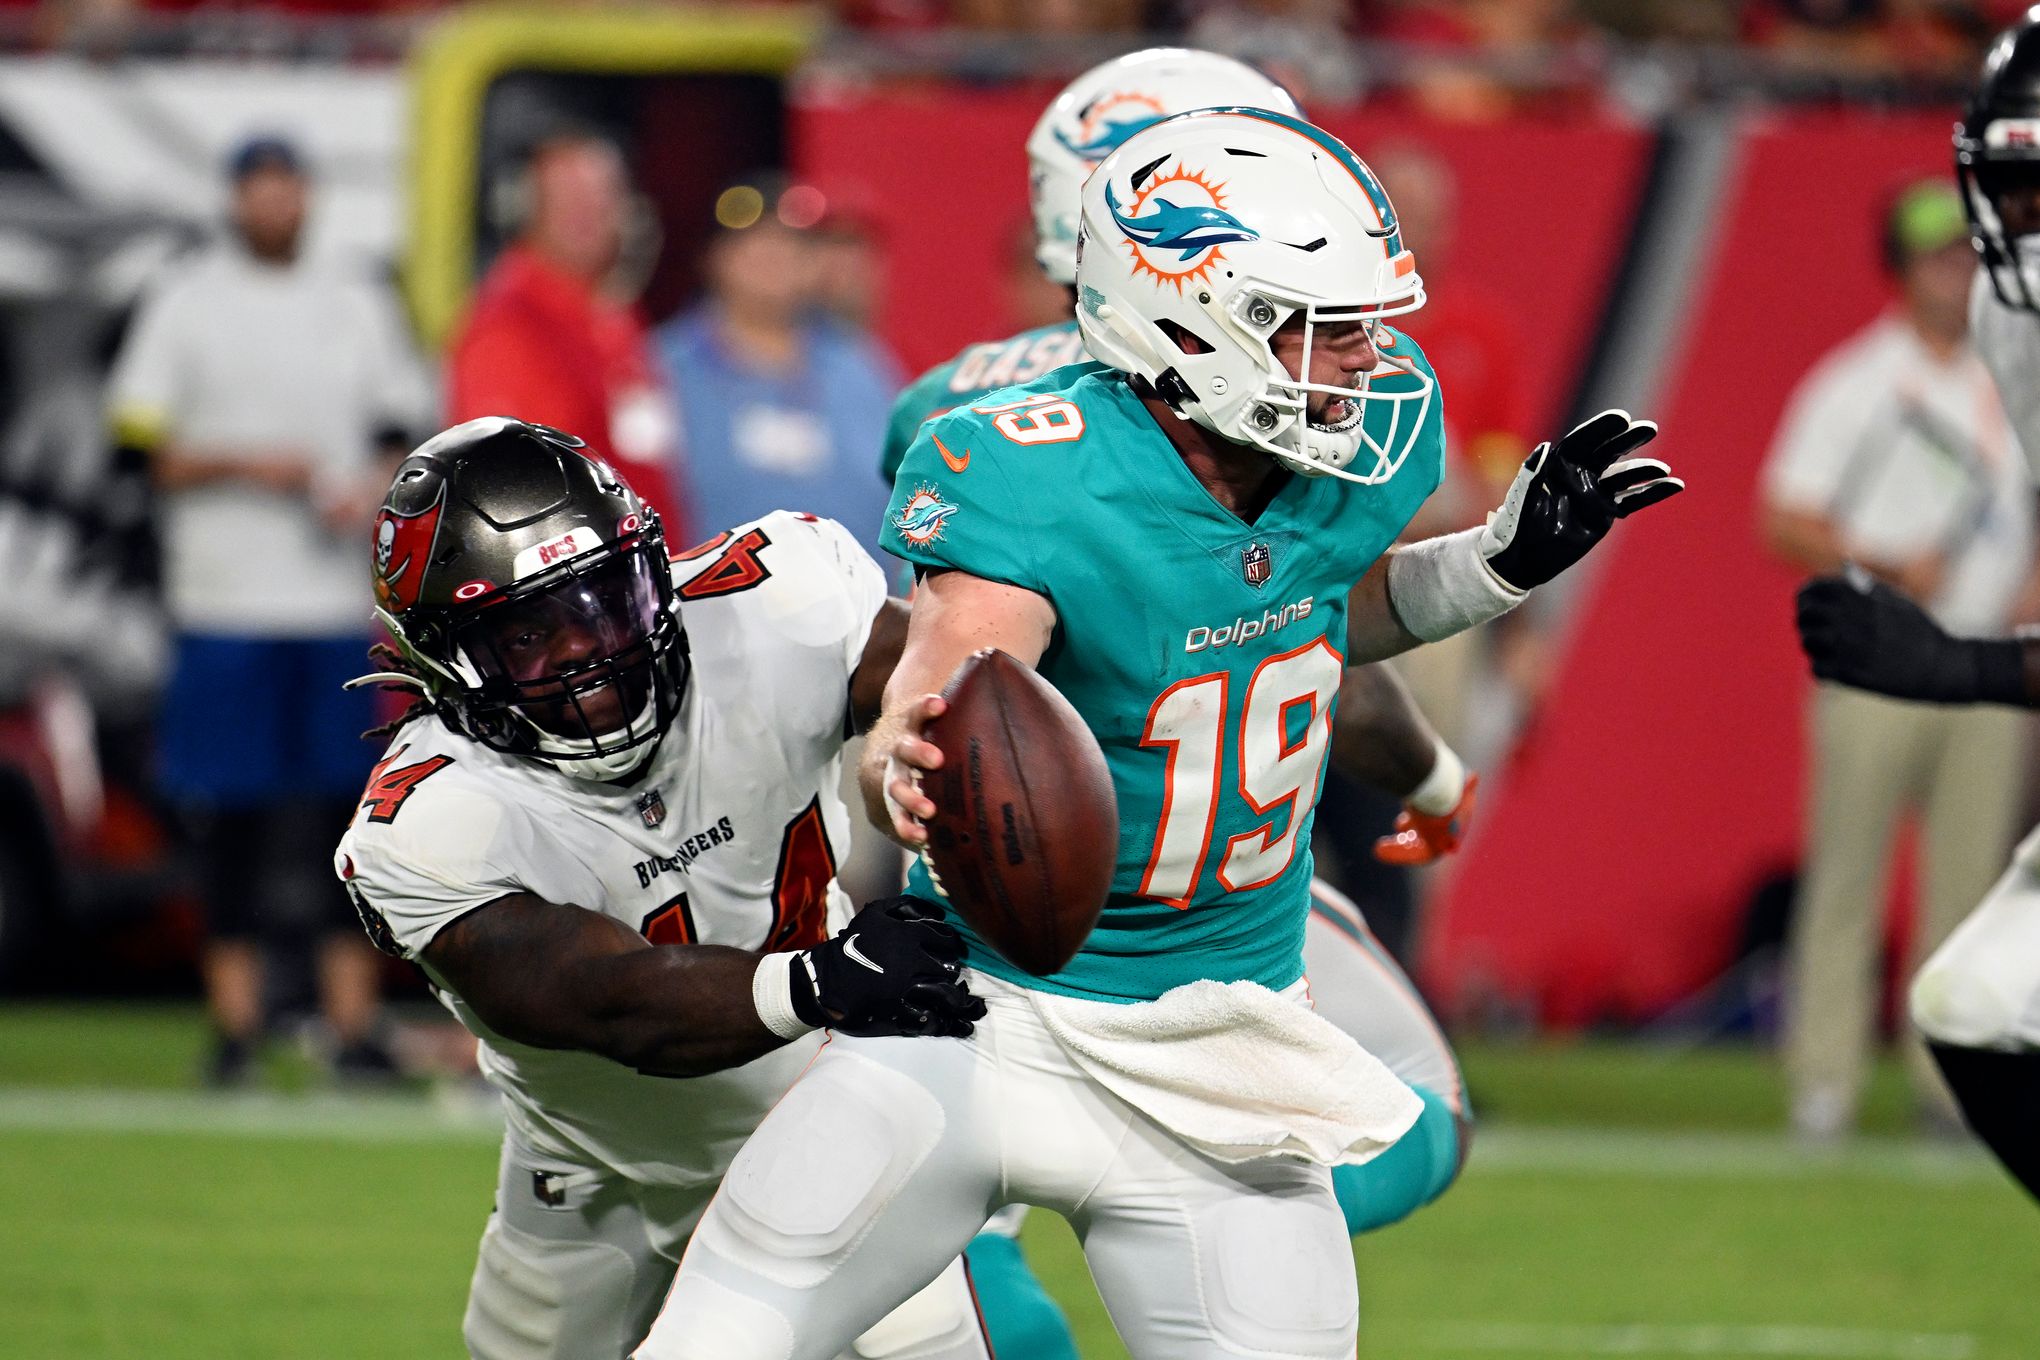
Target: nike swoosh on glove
1864, 634
897, 968
1569, 494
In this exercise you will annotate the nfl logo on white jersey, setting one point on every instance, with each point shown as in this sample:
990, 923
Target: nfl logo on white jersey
652, 807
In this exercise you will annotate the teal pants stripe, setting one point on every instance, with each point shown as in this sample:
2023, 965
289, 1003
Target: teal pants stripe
1405, 1178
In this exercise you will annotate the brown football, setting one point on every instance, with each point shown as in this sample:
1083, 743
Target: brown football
1025, 834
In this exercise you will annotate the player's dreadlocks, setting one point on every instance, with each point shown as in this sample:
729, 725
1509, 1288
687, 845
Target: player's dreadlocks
395, 672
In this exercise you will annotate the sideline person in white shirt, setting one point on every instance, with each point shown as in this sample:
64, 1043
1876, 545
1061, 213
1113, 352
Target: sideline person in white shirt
269, 393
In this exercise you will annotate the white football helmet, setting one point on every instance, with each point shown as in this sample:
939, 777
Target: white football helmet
1102, 108
1217, 227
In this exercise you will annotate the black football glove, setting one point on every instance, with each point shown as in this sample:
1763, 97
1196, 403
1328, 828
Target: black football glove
1569, 494
897, 968
1864, 634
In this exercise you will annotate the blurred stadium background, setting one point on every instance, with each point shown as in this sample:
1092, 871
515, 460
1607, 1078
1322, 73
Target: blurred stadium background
1670, 206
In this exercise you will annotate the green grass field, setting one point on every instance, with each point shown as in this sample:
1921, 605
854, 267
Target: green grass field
1620, 1202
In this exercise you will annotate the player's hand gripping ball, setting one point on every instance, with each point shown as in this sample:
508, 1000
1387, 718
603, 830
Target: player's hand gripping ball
1025, 835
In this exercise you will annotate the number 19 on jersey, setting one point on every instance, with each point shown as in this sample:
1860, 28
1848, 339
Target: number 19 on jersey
1274, 759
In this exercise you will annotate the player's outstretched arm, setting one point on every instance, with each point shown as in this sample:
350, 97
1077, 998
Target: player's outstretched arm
954, 615
1565, 499
1382, 739
561, 977
1862, 633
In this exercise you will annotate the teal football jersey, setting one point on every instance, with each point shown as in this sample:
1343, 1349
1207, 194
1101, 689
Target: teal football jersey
977, 370
1205, 653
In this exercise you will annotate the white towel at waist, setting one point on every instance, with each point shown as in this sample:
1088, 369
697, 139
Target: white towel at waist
1236, 1070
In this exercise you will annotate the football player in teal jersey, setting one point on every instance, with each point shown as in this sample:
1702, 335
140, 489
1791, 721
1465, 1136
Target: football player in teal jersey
1381, 739
1192, 546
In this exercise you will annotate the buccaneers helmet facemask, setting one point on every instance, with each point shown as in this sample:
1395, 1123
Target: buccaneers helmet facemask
526, 587
579, 666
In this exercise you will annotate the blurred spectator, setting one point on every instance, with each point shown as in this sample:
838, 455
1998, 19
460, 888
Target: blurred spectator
851, 261
1922, 38
1895, 455
270, 395
554, 335
781, 405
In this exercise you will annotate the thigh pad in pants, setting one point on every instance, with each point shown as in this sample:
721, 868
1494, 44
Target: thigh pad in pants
793, 1206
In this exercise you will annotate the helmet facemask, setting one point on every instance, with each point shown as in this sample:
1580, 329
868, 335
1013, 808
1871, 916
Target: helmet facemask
2012, 260
1244, 393
1386, 405
581, 666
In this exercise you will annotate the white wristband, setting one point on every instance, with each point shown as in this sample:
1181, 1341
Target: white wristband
772, 994
1442, 586
1439, 793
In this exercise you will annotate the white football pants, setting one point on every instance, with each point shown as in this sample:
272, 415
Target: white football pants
574, 1263
1981, 988
888, 1155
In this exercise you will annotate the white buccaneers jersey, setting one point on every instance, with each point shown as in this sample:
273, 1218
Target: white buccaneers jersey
729, 836
2008, 339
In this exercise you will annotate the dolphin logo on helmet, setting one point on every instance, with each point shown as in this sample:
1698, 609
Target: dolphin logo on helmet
1185, 229
1106, 141
1105, 106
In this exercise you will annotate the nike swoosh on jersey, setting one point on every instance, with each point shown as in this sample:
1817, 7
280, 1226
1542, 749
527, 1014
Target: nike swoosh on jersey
955, 464
851, 950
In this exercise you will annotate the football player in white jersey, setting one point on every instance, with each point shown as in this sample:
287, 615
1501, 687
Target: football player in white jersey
1977, 999
607, 832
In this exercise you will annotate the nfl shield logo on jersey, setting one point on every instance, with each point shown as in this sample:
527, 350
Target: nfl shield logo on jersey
652, 807
1257, 563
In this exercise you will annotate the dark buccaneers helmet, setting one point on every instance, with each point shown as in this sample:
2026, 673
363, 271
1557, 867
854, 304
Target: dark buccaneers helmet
528, 587
1997, 161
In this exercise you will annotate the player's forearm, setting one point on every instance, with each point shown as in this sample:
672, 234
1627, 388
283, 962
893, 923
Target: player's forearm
558, 976
1373, 632
1380, 737
672, 1010
1804, 539
1867, 635
1991, 671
